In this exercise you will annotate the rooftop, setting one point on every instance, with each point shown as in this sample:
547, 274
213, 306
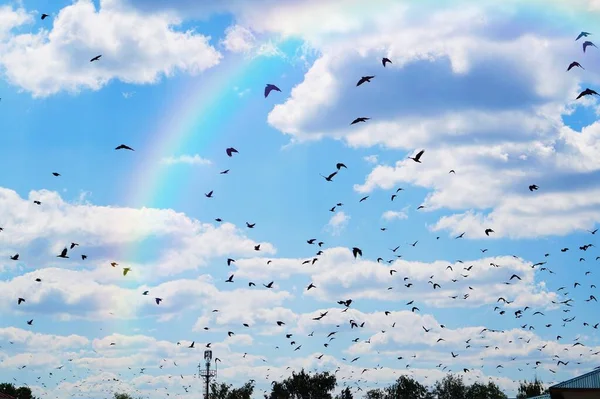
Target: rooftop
589, 380
5, 396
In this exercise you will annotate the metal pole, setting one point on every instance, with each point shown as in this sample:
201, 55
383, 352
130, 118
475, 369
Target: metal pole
207, 382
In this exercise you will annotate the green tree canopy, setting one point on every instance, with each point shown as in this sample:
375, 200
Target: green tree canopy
226, 391
19, 393
407, 388
529, 389
483, 391
345, 394
303, 385
450, 387
375, 394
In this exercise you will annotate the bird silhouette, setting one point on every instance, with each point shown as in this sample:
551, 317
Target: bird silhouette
582, 34
587, 92
417, 158
230, 151
587, 44
358, 120
364, 79
269, 88
124, 147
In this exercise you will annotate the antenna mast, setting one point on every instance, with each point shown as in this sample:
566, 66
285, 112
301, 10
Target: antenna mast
207, 373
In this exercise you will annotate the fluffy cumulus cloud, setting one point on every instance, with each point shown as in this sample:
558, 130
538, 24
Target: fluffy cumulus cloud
238, 39
394, 215
56, 57
497, 144
187, 159
39, 232
464, 283
11, 18
337, 223
130, 362
467, 83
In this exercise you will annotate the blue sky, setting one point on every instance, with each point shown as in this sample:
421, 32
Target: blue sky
489, 98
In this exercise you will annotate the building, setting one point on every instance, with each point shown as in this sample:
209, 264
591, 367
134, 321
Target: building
5, 396
586, 386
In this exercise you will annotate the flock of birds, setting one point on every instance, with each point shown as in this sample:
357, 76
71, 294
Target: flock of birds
530, 318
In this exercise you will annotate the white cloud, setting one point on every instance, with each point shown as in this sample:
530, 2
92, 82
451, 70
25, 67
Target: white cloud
187, 159
497, 146
337, 223
238, 39
339, 275
104, 233
371, 158
11, 18
269, 49
58, 59
391, 215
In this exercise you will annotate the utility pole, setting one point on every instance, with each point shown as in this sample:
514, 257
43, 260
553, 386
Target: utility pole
207, 373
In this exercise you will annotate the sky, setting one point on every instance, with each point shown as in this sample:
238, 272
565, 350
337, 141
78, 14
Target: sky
481, 87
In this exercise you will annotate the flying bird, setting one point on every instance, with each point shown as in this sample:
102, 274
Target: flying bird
330, 177
44, 16
357, 120
417, 158
573, 65
230, 151
587, 44
364, 79
124, 147
96, 58
582, 34
386, 60
269, 88
587, 92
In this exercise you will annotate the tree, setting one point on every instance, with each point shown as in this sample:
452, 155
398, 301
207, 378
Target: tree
482, 391
375, 394
244, 392
451, 387
225, 391
531, 389
345, 394
407, 388
19, 393
303, 386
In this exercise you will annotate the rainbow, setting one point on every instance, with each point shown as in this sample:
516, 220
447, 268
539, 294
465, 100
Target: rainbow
180, 122
202, 98
193, 116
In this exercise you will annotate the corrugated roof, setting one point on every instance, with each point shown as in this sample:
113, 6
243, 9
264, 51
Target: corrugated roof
590, 380
544, 396
5, 396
